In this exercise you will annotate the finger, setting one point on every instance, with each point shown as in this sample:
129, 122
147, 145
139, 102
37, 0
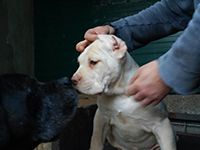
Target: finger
101, 30
155, 102
133, 79
139, 96
82, 45
90, 35
146, 101
132, 90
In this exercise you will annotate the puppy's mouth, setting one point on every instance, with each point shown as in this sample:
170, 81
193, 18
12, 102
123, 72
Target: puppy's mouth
99, 94
88, 92
88, 89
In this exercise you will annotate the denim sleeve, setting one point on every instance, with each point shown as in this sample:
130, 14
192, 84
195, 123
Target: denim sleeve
161, 19
179, 68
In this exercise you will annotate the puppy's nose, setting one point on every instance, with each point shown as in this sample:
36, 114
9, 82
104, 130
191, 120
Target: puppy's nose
64, 81
76, 79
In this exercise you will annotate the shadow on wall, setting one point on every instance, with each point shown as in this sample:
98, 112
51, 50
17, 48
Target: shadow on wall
16, 38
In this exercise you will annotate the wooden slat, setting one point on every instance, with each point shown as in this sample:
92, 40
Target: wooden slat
184, 117
86, 99
44, 146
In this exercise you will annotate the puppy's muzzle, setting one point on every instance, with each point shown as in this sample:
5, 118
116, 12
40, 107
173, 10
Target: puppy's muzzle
76, 79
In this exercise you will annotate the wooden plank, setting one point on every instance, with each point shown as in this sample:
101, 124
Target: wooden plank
86, 99
184, 117
44, 146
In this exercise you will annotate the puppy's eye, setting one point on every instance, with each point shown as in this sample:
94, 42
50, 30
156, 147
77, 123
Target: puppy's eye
93, 62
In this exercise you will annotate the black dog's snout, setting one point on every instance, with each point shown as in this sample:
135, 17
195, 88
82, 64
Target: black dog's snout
65, 81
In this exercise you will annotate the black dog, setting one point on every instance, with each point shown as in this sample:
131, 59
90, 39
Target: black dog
31, 113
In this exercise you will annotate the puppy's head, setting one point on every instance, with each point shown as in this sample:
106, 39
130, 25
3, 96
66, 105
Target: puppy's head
100, 65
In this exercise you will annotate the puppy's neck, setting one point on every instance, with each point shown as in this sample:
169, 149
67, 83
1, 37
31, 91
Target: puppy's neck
128, 69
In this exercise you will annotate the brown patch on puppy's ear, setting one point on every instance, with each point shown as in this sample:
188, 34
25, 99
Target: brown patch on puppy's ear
115, 44
119, 47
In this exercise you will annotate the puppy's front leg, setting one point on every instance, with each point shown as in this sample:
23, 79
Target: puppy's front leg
99, 132
165, 135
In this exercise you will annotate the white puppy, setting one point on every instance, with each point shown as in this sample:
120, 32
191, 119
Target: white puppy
105, 70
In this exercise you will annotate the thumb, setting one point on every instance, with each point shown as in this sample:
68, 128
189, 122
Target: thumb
135, 76
91, 35
82, 45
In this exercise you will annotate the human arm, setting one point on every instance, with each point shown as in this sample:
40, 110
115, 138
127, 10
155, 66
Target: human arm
178, 68
160, 20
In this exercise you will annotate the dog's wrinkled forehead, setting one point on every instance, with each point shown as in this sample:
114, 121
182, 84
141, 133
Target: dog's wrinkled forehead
95, 51
104, 46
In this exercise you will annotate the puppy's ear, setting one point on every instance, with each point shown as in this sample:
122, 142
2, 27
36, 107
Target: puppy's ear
116, 45
119, 47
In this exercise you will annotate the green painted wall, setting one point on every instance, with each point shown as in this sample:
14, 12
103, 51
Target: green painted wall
60, 24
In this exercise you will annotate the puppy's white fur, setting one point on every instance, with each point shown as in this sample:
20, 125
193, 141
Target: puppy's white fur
106, 69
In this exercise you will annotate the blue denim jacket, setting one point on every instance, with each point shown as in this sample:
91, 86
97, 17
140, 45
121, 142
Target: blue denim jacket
179, 68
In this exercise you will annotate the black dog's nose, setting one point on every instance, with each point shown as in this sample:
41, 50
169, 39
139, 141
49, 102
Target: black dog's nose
65, 81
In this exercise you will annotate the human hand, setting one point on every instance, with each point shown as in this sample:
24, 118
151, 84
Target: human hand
91, 35
147, 86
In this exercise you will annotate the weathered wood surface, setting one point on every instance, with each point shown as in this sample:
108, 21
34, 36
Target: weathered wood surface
44, 146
